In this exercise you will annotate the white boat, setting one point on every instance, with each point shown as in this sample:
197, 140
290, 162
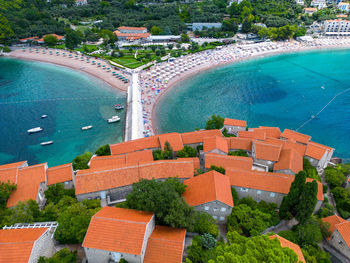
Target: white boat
34, 130
46, 143
113, 119
86, 127
43, 116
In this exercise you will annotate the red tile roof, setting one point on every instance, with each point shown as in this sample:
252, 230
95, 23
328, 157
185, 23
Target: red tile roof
333, 221
59, 174
9, 175
215, 142
198, 136
344, 231
257, 134
227, 161
166, 244
300, 148
234, 122
104, 162
174, 140
135, 145
266, 181
132, 35
316, 150
28, 182
267, 151
14, 165
16, 244
286, 243
289, 160
140, 156
239, 143
118, 230
208, 187
273, 132
298, 137
131, 28
90, 180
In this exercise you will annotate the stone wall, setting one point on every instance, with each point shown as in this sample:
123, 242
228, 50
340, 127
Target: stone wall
218, 210
338, 242
44, 246
258, 195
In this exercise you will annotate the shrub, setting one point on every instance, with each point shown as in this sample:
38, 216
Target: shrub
186, 152
6, 49
218, 169
81, 162
62, 256
208, 241
103, 150
234, 196
200, 148
238, 153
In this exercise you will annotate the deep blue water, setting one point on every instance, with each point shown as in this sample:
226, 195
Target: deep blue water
282, 91
71, 99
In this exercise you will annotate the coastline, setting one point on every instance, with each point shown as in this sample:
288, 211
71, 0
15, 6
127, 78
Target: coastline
74, 64
179, 79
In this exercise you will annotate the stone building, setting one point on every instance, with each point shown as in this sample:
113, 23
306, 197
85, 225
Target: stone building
266, 154
237, 144
211, 193
62, 174
233, 126
24, 243
227, 161
290, 162
319, 155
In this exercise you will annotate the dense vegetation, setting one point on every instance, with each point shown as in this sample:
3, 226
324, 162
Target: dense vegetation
62, 256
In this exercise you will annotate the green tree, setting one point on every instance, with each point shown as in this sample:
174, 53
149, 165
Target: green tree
314, 254
73, 39
156, 30
50, 40
168, 151
6, 31
309, 233
158, 155
334, 177
185, 38
215, 122
23, 212
219, 169
103, 150
208, 241
238, 153
81, 162
62, 256
197, 253
5, 191
308, 201
55, 192
186, 152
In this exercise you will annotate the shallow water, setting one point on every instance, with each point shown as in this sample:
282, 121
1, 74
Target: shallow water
283, 91
71, 99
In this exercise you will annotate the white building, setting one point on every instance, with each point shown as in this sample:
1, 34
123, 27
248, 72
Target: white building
319, 4
344, 6
81, 2
300, 2
336, 27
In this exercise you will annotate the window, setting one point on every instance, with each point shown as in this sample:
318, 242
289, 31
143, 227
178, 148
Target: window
272, 194
215, 209
206, 208
223, 209
244, 189
222, 218
66, 183
258, 192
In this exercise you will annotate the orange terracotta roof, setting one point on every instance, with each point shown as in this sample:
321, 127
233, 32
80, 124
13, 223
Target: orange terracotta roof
59, 174
208, 187
289, 160
257, 134
28, 182
132, 28
90, 180
273, 132
298, 137
118, 229
140, 156
198, 136
16, 244
275, 141
104, 162
195, 160
286, 243
234, 122
239, 143
333, 221
310, 9
9, 175
135, 145
227, 161
14, 165
174, 139
291, 144
266, 181
316, 150
344, 231
166, 244
215, 142
267, 151
132, 35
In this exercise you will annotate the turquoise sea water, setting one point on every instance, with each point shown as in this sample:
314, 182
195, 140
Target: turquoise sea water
71, 99
282, 91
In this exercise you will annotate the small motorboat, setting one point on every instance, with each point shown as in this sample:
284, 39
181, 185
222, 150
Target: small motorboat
86, 128
46, 143
118, 107
43, 116
113, 119
34, 130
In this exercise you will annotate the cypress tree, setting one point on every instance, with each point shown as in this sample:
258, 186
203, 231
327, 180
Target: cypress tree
307, 202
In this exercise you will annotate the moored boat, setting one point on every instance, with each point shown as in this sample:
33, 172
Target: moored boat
34, 130
46, 143
118, 107
43, 116
86, 127
113, 119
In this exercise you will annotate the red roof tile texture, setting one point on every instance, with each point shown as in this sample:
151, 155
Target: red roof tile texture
104, 162
239, 143
267, 151
344, 231
234, 122
333, 221
298, 137
28, 182
166, 244
16, 244
151, 142
174, 139
118, 229
286, 243
208, 187
273, 132
226, 161
316, 150
9, 175
257, 134
131, 28
215, 142
198, 136
59, 174
289, 160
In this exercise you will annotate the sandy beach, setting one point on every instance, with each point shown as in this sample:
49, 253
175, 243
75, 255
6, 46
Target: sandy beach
65, 60
153, 85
